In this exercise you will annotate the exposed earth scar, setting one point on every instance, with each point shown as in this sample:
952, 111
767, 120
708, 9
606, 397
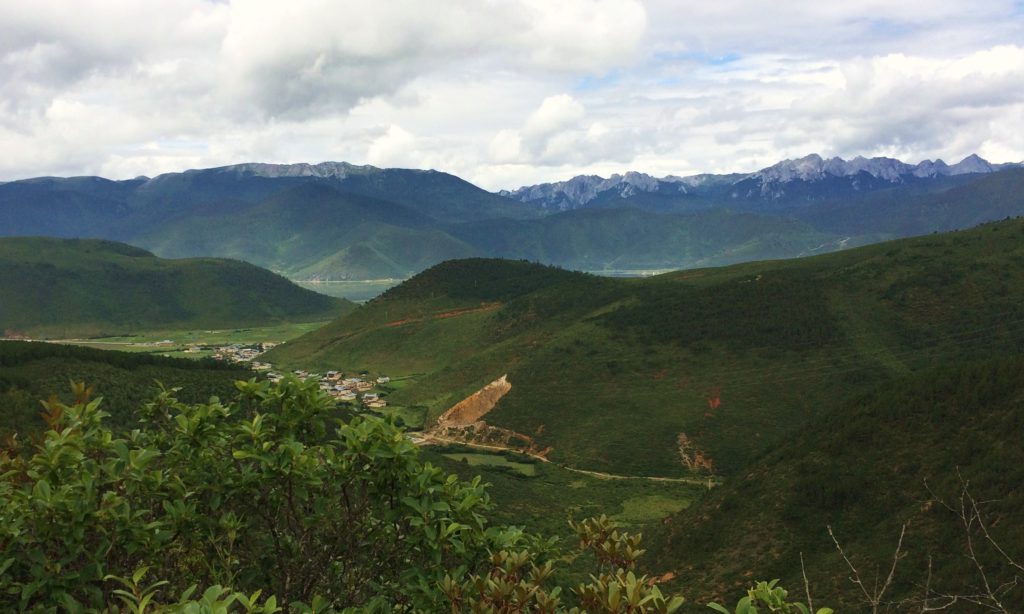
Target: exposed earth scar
463, 424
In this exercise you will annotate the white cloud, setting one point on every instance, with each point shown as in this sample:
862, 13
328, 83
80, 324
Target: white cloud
396, 147
555, 114
503, 92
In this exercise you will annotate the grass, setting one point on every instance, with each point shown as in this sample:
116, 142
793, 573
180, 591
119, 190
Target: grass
545, 501
412, 418
276, 333
647, 508
181, 340
494, 460
874, 463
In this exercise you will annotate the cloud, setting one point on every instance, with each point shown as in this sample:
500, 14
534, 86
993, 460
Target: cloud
297, 57
503, 92
396, 147
902, 104
555, 114
559, 133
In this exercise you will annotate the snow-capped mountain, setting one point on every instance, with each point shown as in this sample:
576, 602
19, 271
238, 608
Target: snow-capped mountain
776, 182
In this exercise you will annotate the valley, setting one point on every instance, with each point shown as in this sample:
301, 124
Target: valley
722, 356
722, 411
511, 307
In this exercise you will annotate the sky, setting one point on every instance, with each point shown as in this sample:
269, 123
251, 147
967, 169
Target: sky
504, 93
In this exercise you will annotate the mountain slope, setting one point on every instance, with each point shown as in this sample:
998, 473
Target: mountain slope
617, 239
686, 371
896, 213
30, 372
872, 464
88, 287
311, 232
338, 221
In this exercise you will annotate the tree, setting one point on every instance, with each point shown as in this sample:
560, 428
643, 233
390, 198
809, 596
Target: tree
270, 491
270, 503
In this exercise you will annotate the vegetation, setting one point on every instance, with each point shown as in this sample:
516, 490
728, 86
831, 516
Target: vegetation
66, 288
687, 372
33, 371
886, 459
308, 513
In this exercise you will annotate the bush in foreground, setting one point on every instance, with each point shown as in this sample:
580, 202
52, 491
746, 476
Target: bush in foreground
275, 497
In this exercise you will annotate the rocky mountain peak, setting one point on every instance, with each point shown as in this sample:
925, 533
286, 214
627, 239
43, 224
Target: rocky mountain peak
770, 182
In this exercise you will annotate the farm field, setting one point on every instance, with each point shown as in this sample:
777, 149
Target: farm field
176, 343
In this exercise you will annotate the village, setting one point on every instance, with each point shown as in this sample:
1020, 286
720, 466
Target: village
354, 390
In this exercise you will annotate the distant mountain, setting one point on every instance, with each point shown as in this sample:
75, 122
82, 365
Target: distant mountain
330, 220
121, 210
72, 287
811, 178
632, 239
339, 221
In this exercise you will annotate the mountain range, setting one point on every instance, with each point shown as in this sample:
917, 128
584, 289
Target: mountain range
338, 221
775, 183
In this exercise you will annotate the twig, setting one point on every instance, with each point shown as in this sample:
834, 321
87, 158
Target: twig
873, 598
807, 585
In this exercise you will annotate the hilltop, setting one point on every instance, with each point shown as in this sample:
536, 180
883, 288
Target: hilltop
688, 372
71, 287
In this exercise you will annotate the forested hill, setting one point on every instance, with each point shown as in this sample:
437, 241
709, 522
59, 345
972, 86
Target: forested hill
688, 371
32, 372
895, 456
69, 287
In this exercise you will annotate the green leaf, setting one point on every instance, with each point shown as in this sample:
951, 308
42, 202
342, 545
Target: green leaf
42, 490
4, 566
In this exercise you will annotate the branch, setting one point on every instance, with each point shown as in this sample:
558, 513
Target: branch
873, 598
807, 585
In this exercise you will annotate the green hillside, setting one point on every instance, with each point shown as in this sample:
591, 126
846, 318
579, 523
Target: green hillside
30, 372
866, 467
314, 232
62, 288
715, 365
